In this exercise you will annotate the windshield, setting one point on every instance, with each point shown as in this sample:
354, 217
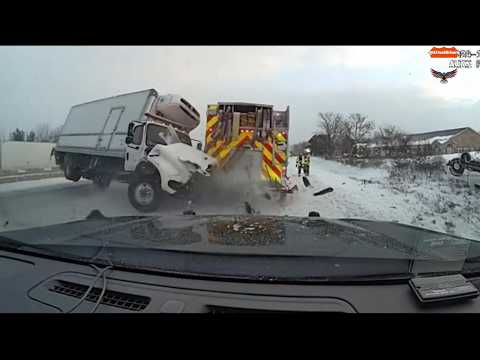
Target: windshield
184, 138
364, 153
158, 134
163, 135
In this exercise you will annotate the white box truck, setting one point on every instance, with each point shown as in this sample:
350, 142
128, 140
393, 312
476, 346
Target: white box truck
140, 138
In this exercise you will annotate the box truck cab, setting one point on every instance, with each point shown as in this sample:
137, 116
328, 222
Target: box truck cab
140, 138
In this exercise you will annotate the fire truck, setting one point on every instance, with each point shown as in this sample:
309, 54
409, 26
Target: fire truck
249, 141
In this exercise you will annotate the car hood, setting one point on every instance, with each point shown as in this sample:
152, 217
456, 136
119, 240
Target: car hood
265, 248
256, 235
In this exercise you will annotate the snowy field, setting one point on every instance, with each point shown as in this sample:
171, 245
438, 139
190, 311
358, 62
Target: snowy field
443, 203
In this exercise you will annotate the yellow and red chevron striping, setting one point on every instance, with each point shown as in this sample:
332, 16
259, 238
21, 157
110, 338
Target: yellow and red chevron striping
273, 168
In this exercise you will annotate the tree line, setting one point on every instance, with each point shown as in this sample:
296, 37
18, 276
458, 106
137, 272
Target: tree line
339, 134
41, 133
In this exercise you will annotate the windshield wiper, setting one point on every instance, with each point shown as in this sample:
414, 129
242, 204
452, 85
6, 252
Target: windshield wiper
65, 250
9, 244
382, 278
12, 244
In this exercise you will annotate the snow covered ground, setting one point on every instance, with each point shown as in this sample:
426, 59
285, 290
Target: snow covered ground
442, 203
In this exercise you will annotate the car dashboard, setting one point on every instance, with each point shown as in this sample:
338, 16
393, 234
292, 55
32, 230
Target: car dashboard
37, 284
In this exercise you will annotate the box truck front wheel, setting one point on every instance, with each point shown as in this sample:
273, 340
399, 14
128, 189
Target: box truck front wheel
144, 193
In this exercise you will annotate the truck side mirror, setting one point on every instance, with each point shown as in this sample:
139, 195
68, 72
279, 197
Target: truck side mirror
199, 146
129, 140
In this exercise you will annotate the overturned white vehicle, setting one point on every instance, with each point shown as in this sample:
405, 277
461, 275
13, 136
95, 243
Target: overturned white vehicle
140, 138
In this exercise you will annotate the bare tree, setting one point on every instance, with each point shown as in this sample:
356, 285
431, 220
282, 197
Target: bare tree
357, 127
31, 136
17, 135
393, 140
332, 125
55, 133
404, 143
42, 132
45, 133
384, 132
387, 135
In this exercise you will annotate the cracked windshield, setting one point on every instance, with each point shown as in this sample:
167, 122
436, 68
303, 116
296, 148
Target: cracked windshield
241, 149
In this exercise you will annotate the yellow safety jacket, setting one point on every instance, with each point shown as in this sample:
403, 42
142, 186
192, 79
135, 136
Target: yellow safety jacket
306, 160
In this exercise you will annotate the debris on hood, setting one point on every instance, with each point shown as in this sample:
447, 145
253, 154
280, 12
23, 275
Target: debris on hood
245, 231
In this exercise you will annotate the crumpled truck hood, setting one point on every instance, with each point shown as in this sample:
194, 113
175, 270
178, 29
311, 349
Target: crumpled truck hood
185, 156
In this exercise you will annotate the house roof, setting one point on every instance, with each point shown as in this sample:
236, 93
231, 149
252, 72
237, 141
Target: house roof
318, 136
440, 136
436, 134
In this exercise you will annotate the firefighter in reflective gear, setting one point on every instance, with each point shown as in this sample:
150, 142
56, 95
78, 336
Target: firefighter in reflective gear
306, 162
299, 164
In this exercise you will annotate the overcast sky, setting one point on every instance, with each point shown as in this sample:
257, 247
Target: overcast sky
391, 85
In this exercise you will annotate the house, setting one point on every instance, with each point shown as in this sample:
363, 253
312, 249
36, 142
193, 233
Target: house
429, 143
319, 145
299, 148
447, 141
